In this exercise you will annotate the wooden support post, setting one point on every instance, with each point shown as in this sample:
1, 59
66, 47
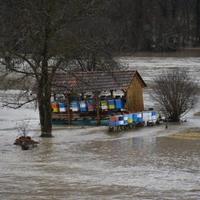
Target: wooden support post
124, 98
98, 108
67, 98
82, 96
125, 93
111, 93
54, 97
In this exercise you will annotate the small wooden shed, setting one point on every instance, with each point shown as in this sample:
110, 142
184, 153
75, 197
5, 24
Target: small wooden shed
129, 82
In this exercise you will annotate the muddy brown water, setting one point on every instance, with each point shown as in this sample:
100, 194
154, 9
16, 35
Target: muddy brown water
88, 163
92, 164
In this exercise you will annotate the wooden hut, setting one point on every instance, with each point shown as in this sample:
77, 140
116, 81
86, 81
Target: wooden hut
80, 83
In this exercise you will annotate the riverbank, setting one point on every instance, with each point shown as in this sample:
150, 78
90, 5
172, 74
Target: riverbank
187, 52
188, 134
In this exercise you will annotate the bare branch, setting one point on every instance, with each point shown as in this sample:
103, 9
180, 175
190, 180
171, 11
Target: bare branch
17, 105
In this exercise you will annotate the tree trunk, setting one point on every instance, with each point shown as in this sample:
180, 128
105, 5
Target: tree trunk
175, 118
45, 113
45, 85
44, 100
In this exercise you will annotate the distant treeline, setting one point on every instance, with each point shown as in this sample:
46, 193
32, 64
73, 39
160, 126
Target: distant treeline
121, 25
154, 25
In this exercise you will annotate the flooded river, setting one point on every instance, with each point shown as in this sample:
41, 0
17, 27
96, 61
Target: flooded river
88, 163
91, 164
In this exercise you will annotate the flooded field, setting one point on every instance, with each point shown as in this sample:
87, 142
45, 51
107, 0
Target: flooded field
149, 67
88, 163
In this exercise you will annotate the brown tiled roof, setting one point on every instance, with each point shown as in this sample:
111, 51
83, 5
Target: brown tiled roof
95, 81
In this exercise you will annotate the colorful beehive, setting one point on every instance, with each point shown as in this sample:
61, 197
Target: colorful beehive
154, 116
104, 105
111, 104
114, 118
55, 107
126, 119
113, 121
91, 105
134, 117
62, 107
83, 106
74, 106
130, 118
120, 121
137, 118
119, 104
147, 116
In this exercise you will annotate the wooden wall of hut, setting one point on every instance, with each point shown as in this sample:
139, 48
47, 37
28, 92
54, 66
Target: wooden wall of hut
134, 98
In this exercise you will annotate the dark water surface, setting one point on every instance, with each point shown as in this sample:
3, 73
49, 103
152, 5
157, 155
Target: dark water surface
90, 164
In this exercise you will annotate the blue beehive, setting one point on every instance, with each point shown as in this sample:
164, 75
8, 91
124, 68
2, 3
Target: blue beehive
154, 116
112, 124
154, 113
119, 104
139, 117
74, 106
134, 116
126, 119
120, 121
62, 107
83, 106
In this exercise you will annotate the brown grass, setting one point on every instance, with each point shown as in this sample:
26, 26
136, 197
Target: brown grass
189, 134
197, 114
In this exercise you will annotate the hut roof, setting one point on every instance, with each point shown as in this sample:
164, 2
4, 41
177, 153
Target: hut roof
94, 81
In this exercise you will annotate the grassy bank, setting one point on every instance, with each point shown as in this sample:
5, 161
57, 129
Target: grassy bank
189, 134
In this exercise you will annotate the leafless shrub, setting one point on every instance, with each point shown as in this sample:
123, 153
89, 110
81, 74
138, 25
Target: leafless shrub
176, 92
22, 127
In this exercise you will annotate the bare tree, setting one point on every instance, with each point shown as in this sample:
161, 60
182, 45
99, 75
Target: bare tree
94, 52
37, 39
176, 92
